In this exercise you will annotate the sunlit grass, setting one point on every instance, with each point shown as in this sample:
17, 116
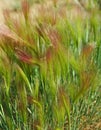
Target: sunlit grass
50, 70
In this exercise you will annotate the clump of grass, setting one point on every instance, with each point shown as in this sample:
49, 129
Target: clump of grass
47, 69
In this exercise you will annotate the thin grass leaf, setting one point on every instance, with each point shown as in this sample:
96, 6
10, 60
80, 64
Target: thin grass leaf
23, 76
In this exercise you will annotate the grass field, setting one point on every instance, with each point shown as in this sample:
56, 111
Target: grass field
50, 66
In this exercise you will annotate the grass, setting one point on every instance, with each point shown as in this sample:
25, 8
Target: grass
50, 70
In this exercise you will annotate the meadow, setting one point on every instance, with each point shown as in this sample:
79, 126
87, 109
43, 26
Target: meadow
50, 66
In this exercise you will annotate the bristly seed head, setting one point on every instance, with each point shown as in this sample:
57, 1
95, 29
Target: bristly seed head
25, 8
23, 56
